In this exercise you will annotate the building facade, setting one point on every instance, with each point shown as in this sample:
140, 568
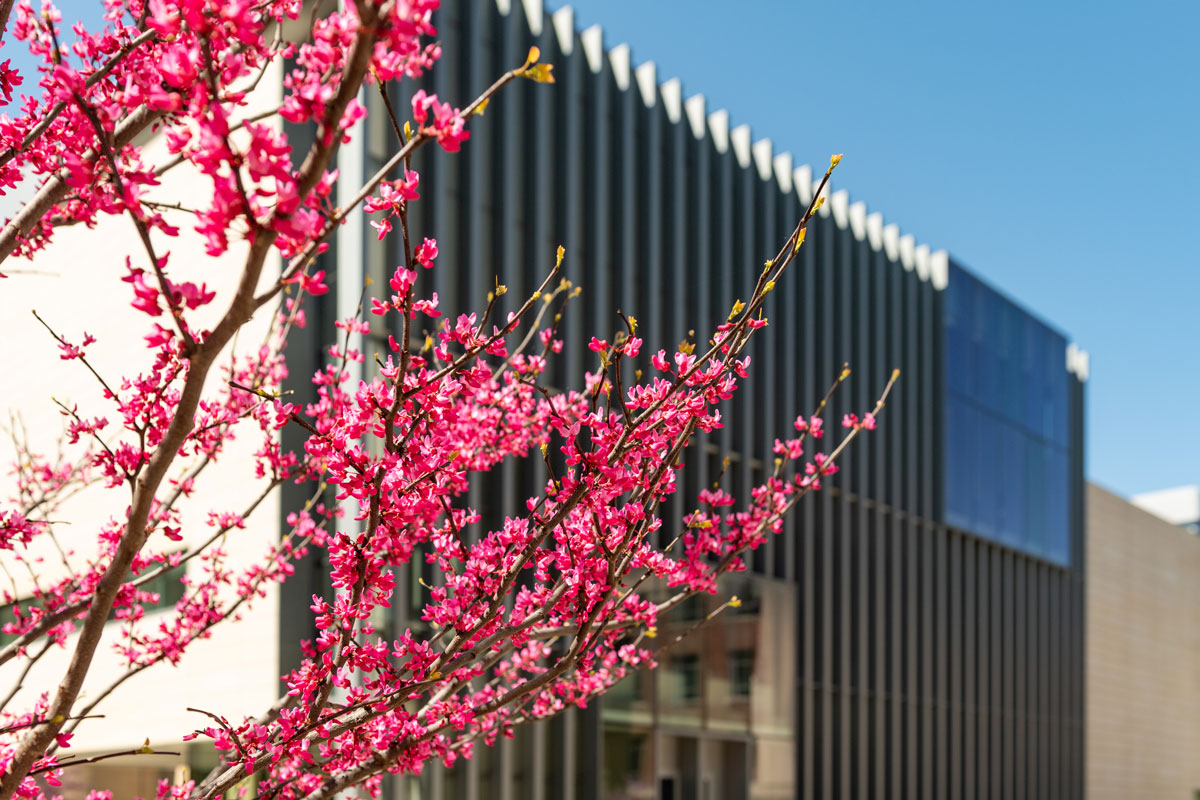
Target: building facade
918, 628
1143, 653
75, 287
1178, 506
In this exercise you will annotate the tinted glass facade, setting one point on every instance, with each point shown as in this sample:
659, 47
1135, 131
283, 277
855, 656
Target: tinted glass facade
1008, 422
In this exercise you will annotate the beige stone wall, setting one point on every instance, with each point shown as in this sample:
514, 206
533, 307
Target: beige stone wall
1143, 654
77, 288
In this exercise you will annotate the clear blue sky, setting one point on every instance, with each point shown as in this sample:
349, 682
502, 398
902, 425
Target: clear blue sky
1051, 147
1052, 150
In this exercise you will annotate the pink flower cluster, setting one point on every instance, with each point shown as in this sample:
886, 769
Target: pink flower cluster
543, 612
400, 449
186, 68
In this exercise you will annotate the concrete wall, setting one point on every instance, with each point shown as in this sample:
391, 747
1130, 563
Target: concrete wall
1143, 653
77, 287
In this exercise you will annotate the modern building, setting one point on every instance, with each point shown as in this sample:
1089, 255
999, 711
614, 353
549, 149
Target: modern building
1143, 653
918, 629
1179, 506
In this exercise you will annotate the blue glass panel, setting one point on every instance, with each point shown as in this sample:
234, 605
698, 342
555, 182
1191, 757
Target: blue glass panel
1032, 418
1007, 465
975, 322
1028, 344
972, 445
970, 463
1010, 347
952, 485
991, 396
1013, 495
957, 362
978, 311
986, 388
1060, 430
1005, 319
990, 489
981, 465
1059, 516
963, 442
1037, 492
955, 313
956, 471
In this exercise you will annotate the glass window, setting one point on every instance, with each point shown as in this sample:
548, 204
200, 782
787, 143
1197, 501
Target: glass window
958, 349
1033, 381
1007, 437
733, 678
1060, 505
741, 672
628, 762
691, 609
956, 475
1011, 499
687, 669
1037, 493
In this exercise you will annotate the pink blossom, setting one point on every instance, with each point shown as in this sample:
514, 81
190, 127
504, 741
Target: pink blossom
455, 393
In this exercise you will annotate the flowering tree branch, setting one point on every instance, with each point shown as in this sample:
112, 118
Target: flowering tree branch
544, 612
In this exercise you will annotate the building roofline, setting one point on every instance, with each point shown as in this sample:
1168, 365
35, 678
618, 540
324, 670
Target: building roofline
932, 266
1078, 360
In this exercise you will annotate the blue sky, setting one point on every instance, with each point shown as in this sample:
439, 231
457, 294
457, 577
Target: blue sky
1054, 152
